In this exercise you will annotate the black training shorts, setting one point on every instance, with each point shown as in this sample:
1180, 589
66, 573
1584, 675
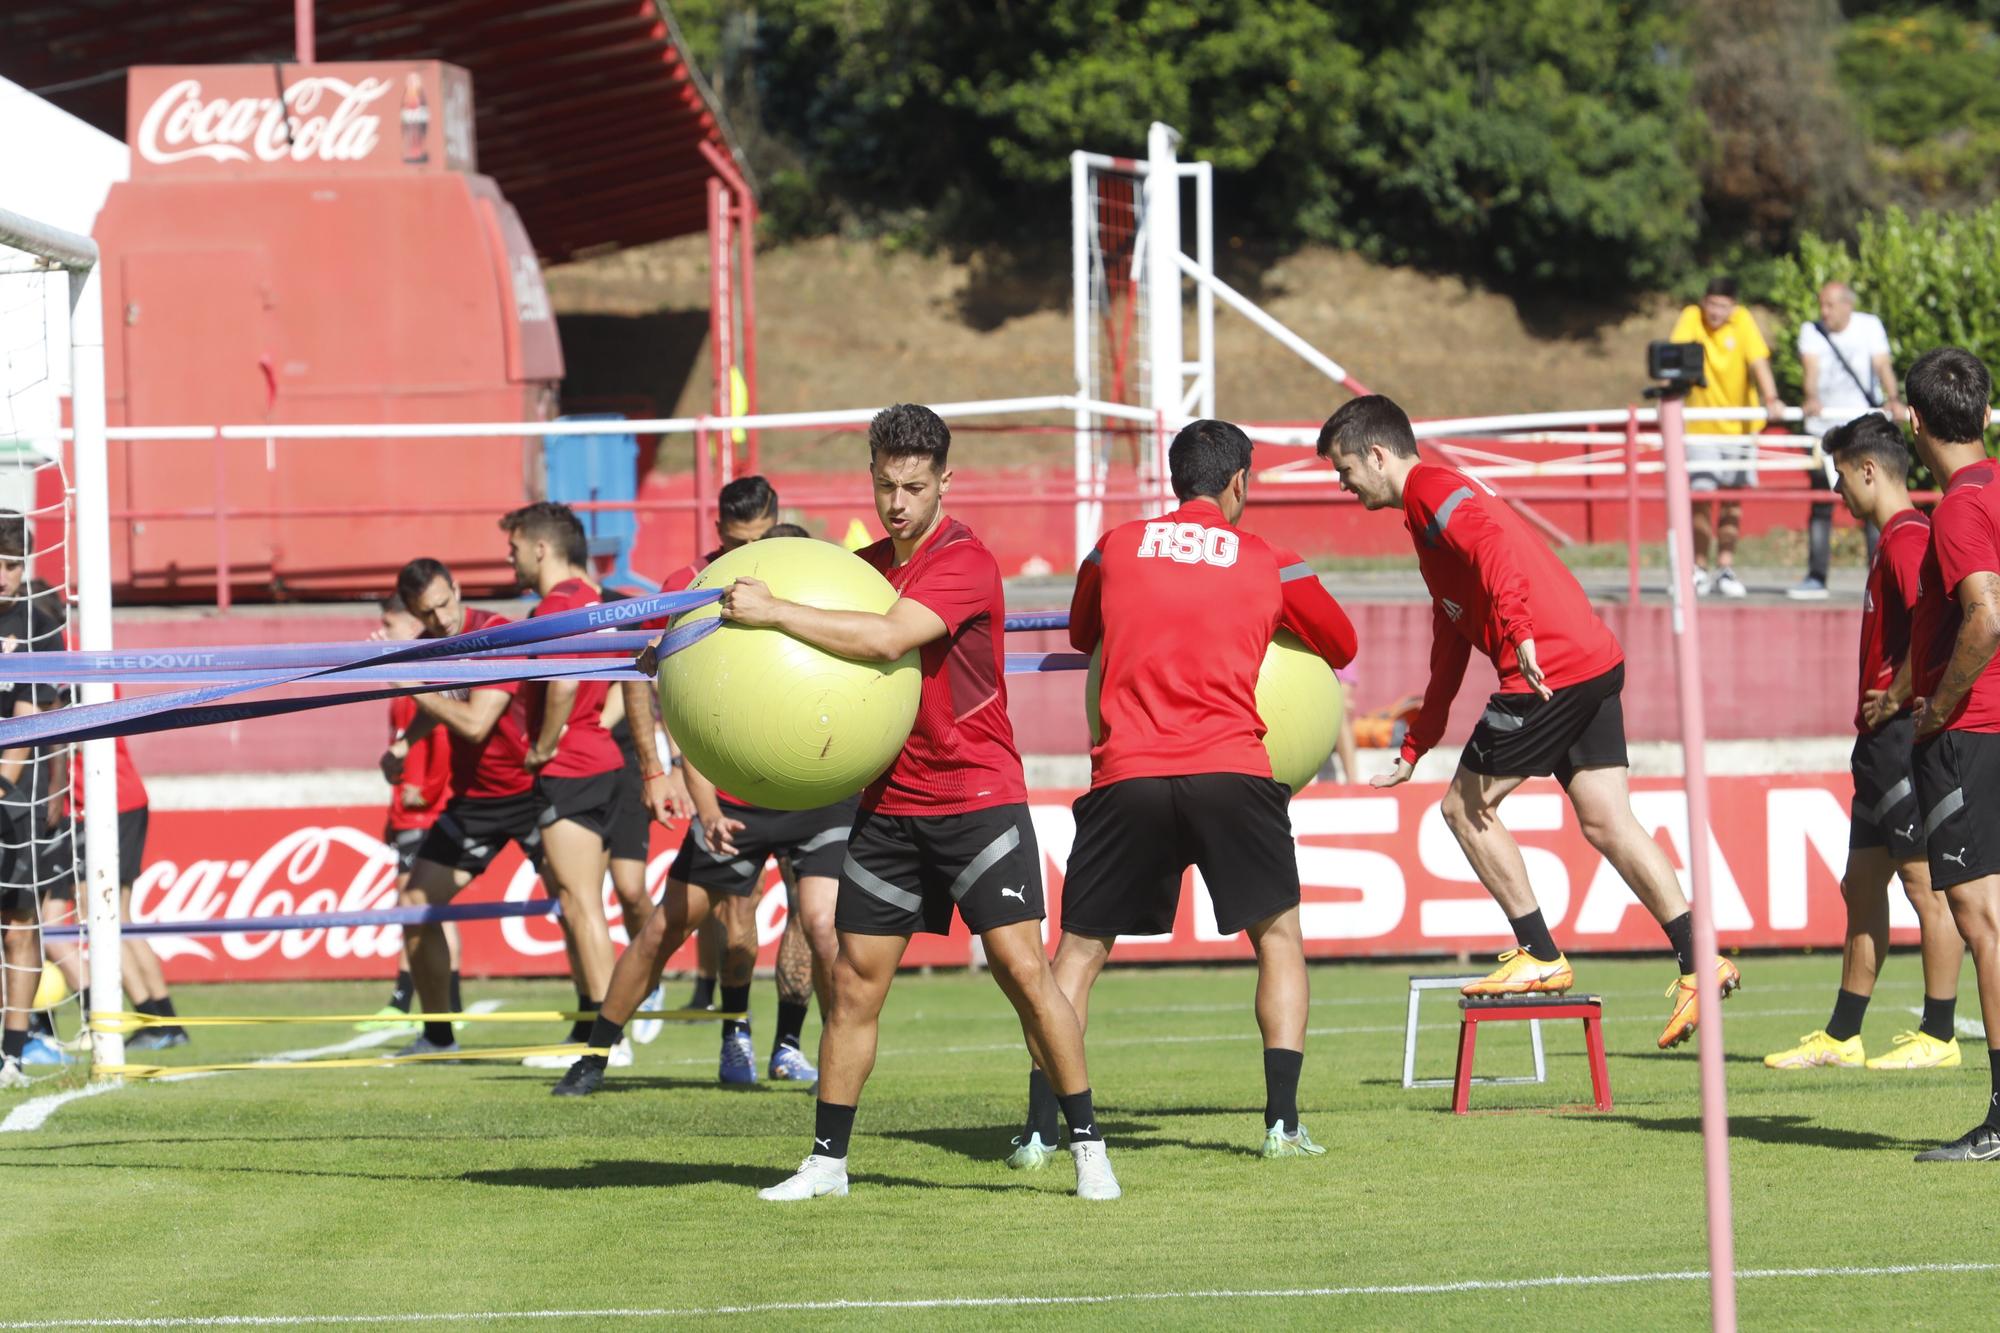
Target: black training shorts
470, 831
814, 840
39, 867
405, 843
905, 873
132, 842
1135, 839
590, 801
1527, 736
630, 836
1885, 812
1958, 784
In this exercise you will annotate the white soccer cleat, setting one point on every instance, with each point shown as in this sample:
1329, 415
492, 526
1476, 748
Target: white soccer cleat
621, 1055
547, 1061
817, 1177
1094, 1179
12, 1075
646, 1031
1030, 1153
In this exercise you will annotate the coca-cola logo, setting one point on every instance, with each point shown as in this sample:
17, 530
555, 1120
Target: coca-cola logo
321, 118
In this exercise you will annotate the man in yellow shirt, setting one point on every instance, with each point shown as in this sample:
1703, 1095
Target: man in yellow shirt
1733, 353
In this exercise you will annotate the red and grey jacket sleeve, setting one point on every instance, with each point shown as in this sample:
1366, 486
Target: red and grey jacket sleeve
1309, 611
1450, 652
1460, 524
1086, 604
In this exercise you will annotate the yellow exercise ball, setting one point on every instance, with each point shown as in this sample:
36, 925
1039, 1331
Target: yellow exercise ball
53, 988
1299, 698
774, 721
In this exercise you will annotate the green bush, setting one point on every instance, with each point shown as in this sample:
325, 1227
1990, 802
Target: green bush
1926, 83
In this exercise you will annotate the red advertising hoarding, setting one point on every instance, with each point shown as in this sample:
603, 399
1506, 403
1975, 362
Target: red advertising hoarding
1382, 877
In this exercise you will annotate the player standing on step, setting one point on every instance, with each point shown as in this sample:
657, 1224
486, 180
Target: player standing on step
1498, 587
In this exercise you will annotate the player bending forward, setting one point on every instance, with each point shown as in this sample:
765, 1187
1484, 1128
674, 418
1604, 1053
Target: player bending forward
1498, 586
947, 826
1886, 833
1184, 607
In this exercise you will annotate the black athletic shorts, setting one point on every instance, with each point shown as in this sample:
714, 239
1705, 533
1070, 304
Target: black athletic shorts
132, 842
1885, 812
470, 831
44, 868
405, 843
591, 802
905, 873
1958, 786
1135, 839
814, 840
630, 836
1527, 736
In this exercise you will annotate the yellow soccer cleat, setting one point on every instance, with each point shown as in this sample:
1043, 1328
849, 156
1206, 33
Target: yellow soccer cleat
1521, 973
1817, 1050
1918, 1050
1681, 1022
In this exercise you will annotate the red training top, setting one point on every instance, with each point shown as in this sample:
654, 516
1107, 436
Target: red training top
1965, 540
427, 769
585, 748
1494, 582
483, 770
131, 788
1185, 606
1893, 580
680, 578
960, 756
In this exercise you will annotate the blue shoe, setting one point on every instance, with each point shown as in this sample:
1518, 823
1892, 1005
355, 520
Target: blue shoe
789, 1065
156, 1039
41, 1051
739, 1059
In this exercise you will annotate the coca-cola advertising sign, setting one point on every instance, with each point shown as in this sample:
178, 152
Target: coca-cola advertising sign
1382, 876
238, 120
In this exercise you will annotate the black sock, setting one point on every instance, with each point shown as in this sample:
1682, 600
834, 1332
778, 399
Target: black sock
604, 1034
736, 1000
791, 1020
12, 1043
581, 1029
704, 993
405, 992
1940, 1018
439, 1034
165, 1007
1080, 1117
1532, 934
1281, 1086
1680, 934
456, 1000
1992, 1101
149, 1007
1042, 1108
832, 1124
1848, 1010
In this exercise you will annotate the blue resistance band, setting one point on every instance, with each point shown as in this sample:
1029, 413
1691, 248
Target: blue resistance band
392, 916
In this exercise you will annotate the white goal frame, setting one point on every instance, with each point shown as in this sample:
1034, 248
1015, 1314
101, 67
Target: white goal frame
90, 539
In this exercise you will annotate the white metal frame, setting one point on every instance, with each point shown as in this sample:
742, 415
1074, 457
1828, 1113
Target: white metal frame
91, 540
1420, 984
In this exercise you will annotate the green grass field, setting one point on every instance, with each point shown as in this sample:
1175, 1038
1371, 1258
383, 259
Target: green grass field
467, 1190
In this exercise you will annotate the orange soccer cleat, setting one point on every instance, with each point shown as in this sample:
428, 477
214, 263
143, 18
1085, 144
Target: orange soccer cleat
1681, 1022
1521, 973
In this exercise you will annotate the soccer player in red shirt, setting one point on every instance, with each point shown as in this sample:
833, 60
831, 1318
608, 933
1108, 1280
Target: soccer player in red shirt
947, 826
1954, 631
1498, 587
1183, 608
416, 796
1886, 832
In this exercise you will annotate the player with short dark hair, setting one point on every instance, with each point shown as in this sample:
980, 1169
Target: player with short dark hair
1886, 832
416, 795
1498, 587
1955, 685
1181, 609
946, 828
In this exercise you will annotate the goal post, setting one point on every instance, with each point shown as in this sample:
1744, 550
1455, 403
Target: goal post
52, 249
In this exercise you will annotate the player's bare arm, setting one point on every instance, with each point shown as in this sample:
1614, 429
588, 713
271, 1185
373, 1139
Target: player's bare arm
471, 719
1978, 638
863, 635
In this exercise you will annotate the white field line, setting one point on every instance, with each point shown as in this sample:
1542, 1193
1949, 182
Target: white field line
35, 1112
1007, 1302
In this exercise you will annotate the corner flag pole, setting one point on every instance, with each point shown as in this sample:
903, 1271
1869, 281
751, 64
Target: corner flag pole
1694, 732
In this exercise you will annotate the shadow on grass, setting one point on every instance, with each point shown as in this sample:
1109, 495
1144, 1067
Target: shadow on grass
1788, 1130
667, 1175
